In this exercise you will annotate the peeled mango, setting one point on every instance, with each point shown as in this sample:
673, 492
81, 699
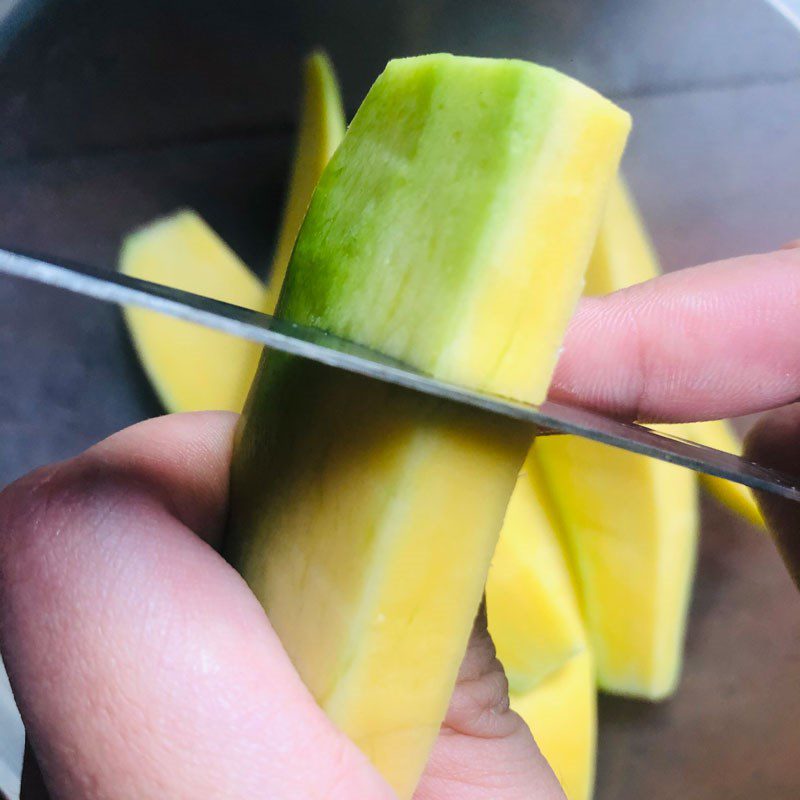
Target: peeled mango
624, 255
535, 622
532, 605
630, 522
562, 713
193, 368
363, 517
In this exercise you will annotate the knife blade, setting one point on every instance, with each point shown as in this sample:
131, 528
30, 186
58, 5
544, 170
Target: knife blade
316, 345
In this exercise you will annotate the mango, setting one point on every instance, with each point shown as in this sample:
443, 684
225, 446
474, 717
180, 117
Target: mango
451, 230
535, 621
631, 527
562, 714
321, 128
531, 602
720, 435
624, 255
191, 367
630, 522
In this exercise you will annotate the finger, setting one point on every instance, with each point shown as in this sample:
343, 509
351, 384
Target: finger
714, 341
775, 441
485, 749
182, 460
142, 664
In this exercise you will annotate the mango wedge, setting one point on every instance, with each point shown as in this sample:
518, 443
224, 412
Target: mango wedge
193, 368
630, 522
562, 714
535, 622
364, 518
720, 435
322, 126
631, 527
532, 607
624, 255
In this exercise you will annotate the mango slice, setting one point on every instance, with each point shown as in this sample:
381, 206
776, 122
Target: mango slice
624, 255
531, 602
363, 517
193, 368
720, 435
322, 126
631, 527
562, 714
630, 521
535, 622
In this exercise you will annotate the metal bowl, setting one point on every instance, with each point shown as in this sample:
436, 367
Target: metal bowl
113, 113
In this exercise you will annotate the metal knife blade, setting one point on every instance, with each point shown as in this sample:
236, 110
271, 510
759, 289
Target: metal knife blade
316, 345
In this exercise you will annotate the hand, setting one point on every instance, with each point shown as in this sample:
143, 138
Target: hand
144, 667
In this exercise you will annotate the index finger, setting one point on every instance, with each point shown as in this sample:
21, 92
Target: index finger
714, 341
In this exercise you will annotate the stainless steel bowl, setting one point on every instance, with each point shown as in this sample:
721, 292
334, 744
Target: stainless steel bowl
113, 113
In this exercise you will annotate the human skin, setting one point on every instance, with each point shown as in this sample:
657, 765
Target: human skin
144, 667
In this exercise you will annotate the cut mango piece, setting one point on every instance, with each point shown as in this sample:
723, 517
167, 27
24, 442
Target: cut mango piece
465, 195
322, 126
533, 611
630, 521
624, 255
193, 368
631, 527
494, 337
720, 435
562, 715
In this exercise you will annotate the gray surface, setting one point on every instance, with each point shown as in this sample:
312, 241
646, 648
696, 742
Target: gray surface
111, 114
66, 368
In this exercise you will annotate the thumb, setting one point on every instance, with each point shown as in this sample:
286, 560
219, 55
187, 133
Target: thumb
774, 441
485, 749
141, 662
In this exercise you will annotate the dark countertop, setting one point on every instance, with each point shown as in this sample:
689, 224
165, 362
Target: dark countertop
108, 119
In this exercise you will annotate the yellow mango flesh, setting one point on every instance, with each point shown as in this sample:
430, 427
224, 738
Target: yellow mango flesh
322, 126
375, 609
533, 612
631, 527
364, 518
630, 521
562, 715
720, 435
535, 623
624, 255
495, 219
191, 367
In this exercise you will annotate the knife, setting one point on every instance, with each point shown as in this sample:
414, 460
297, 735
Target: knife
316, 345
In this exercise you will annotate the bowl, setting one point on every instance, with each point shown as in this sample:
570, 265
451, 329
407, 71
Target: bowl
114, 113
